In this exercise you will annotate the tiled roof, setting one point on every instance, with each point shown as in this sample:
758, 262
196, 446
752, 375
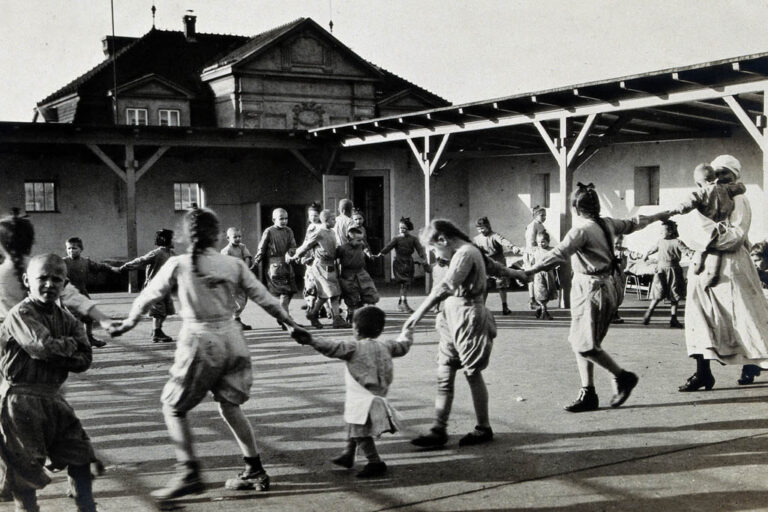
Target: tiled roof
165, 52
169, 54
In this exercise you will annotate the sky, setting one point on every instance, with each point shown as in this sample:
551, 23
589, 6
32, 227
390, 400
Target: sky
461, 50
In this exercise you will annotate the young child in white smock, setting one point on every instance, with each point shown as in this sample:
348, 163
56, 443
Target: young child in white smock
368, 377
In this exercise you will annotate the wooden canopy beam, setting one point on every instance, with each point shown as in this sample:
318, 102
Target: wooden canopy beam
107, 161
151, 161
747, 122
307, 164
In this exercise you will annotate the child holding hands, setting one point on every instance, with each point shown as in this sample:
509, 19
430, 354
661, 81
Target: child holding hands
40, 344
368, 376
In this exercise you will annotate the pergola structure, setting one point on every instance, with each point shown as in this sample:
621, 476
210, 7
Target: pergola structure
573, 123
109, 143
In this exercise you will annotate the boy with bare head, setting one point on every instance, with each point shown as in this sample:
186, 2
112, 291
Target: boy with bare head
237, 249
343, 221
322, 243
276, 248
42, 343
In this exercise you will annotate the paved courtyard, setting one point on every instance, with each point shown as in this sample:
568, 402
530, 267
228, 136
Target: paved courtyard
662, 450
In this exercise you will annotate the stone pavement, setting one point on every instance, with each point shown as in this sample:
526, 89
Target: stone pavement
662, 450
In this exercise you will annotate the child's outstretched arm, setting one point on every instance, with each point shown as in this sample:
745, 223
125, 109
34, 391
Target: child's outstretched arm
400, 346
139, 262
329, 348
160, 286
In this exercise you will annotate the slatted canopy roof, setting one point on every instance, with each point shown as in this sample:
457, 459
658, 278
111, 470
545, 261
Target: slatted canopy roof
686, 102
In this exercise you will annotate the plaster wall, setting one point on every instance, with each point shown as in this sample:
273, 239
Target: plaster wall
501, 188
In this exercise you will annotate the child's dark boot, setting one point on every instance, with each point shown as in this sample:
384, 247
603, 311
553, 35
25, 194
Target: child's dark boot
478, 436
436, 438
587, 401
253, 478
186, 481
160, 337
372, 470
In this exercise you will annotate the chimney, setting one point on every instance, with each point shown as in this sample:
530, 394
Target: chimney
189, 25
111, 45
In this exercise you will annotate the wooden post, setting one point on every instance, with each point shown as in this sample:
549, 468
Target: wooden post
566, 218
130, 214
425, 167
764, 148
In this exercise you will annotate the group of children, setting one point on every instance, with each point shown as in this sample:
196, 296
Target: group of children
41, 342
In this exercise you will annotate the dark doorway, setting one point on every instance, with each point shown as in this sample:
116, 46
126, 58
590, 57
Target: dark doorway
368, 196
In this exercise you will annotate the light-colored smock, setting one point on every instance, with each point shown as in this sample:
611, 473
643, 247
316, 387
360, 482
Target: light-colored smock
596, 287
545, 282
368, 375
466, 327
211, 353
729, 321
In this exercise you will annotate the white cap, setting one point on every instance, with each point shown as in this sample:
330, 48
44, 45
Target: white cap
727, 162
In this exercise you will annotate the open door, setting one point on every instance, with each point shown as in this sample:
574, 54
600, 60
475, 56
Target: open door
335, 188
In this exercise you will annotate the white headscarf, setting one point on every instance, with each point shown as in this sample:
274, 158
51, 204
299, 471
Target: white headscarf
727, 162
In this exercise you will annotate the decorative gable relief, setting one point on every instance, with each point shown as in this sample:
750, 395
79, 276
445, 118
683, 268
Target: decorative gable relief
308, 115
306, 54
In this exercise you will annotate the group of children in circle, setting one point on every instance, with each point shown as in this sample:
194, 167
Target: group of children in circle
40, 342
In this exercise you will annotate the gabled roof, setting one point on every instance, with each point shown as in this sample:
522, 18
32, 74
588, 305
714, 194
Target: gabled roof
163, 52
169, 54
266, 40
154, 77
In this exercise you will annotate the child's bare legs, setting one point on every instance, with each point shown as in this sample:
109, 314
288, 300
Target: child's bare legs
587, 400
649, 311
285, 301
532, 301
402, 305
240, 426
187, 479
542, 311
446, 377
673, 321
504, 307
180, 433
312, 314
479, 398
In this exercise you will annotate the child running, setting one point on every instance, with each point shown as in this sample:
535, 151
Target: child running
79, 271
357, 288
544, 283
402, 269
276, 247
465, 326
211, 355
152, 262
40, 344
494, 246
237, 249
713, 200
595, 292
322, 242
368, 376
668, 280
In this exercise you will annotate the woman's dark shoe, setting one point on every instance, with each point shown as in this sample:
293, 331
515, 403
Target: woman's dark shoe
538, 312
345, 460
748, 374
625, 383
186, 481
372, 470
434, 439
646, 319
478, 436
695, 383
587, 401
674, 323
547, 316
505, 310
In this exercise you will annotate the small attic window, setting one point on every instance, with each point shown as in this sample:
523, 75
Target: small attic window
136, 116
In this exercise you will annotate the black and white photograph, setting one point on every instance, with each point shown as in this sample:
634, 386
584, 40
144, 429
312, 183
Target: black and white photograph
374, 255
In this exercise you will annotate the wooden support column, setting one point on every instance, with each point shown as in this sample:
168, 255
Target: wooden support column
568, 160
565, 175
428, 168
130, 214
764, 147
